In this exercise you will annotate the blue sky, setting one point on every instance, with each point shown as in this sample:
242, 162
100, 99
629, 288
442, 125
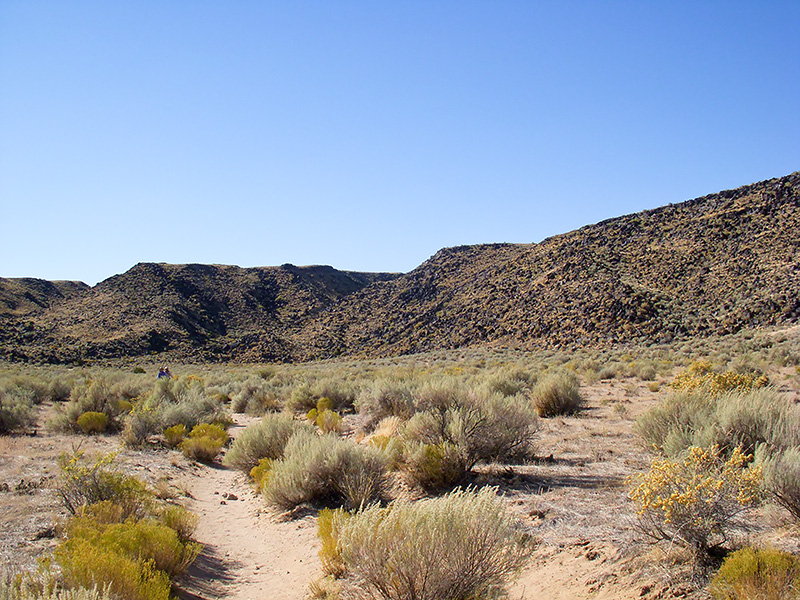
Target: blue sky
368, 135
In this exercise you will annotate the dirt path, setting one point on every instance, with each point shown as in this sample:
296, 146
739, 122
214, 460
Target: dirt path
248, 553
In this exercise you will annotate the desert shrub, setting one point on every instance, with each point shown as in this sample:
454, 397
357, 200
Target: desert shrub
340, 393
434, 466
265, 439
683, 419
210, 430
119, 537
301, 398
26, 589
325, 469
509, 382
17, 410
782, 476
695, 500
192, 408
645, 371
255, 396
173, 436
329, 522
205, 442
730, 420
753, 574
202, 449
385, 398
146, 541
139, 370
94, 395
329, 421
758, 416
172, 402
699, 376
180, 520
455, 429
142, 422
608, 372
462, 545
386, 439
82, 482
557, 394
93, 422
85, 565
260, 473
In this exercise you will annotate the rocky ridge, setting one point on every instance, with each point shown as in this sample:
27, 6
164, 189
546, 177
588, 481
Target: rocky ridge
713, 265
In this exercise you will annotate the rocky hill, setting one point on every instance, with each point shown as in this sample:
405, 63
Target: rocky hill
198, 312
707, 266
24, 296
712, 265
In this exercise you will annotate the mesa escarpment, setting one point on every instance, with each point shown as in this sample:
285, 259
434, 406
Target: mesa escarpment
709, 266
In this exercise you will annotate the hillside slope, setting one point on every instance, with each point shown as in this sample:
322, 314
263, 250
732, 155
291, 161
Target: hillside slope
711, 265
201, 312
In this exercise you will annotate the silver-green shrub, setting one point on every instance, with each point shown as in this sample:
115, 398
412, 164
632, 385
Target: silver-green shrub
264, 439
325, 469
557, 394
462, 545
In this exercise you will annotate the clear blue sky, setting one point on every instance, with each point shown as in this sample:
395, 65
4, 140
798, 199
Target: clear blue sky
368, 135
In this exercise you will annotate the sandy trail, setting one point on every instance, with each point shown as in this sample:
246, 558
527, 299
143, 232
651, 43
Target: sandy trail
248, 553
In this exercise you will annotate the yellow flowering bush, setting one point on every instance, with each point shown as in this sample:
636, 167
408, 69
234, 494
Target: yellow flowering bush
699, 377
695, 500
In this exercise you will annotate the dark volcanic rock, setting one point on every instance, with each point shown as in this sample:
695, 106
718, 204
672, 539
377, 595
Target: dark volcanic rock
713, 265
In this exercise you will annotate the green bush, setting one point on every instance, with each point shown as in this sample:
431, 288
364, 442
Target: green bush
84, 564
17, 411
340, 394
82, 483
752, 574
146, 541
329, 523
456, 429
385, 398
180, 520
730, 420
201, 448
557, 394
782, 476
434, 466
172, 402
210, 430
260, 473
93, 422
173, 436
97, 395
325, 469
329, 421
265, 439
119, 536
462, 545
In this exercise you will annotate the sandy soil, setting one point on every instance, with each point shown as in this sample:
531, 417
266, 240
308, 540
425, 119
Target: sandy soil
249, 551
